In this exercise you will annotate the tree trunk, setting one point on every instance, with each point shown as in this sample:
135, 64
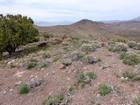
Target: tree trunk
10, 49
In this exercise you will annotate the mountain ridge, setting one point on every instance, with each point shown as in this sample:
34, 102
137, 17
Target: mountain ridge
95, 30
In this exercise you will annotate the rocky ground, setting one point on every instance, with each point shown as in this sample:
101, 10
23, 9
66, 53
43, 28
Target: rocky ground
55, 70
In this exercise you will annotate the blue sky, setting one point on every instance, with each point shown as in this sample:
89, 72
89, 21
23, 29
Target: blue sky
72, 10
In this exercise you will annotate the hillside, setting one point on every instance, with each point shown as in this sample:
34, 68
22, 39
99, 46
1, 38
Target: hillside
96, 30
77, 64
72, 72
84, 28
126, 25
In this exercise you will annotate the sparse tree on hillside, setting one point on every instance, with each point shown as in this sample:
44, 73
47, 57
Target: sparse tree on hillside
15, 30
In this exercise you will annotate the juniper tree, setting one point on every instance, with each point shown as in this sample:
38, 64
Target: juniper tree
15, 30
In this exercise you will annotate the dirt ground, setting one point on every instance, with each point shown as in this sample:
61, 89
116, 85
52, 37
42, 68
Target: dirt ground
55, 80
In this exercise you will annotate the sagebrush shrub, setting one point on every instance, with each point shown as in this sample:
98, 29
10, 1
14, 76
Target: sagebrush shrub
66, 62
46, 54
31, 64
131, 44
121, 47
55, 58
88, 47
134, 45
91, 75
46, 35
137, 100
129, 74
112, 48
130, 59
137, 47
54, 99
77, 56
84, 79
42, 64
118, 47
88, 59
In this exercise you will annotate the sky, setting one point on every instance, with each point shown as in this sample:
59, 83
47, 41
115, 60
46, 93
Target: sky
72, 10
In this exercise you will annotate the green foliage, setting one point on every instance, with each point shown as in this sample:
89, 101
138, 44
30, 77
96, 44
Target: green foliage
121, 47
130, 59
122, 40
88, 59
136, 78
54, 99
137, 47
71, 89
56, 58
42, 64
31, 64
24, 89
88, 47
78, 42
137, 100
131, 44
117, 47
91, 75
16, 30
129, 74
122, 56
65, 43
104, 89
80, 77
134, 45
112, 48
84, 79
66, 63
77, 56
46, 35
46, 54
81, 80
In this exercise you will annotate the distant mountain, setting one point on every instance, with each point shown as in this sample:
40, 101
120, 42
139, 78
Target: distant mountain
44, 23
136, 19
111, 21
96, 30
86, 22
126, 25
84, 28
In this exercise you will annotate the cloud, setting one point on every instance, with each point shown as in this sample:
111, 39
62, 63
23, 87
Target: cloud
71, 10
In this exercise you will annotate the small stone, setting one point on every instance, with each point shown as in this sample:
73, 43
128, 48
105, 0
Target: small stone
98, 95
42, 69
4, 91
126, 78
31, 76
48, 74
18, 83
122, 78
112, 100
35, 82
12, 61
11, 90
68, 78
62, 66
65, 56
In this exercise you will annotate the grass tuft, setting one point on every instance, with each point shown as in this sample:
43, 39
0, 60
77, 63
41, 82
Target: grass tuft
104, 89
24, 89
